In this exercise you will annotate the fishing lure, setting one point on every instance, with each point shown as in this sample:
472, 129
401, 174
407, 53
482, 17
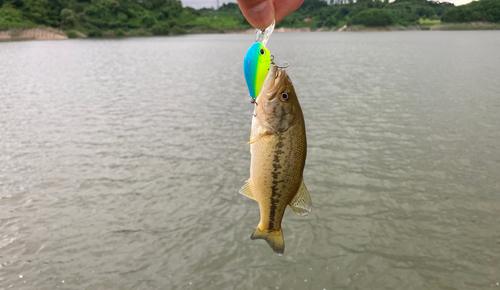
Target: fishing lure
257, 61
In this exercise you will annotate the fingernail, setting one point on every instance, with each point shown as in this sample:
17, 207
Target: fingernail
261, 15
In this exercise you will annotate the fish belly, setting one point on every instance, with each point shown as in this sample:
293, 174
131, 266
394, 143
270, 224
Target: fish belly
277, 163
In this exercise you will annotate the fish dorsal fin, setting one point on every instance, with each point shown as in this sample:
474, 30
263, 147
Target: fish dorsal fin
246, 190
301, 203
261, 134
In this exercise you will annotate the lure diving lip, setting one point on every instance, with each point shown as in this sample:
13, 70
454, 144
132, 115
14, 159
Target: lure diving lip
257, 61
263, 36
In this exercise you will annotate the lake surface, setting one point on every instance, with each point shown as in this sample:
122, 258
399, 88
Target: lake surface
121, 161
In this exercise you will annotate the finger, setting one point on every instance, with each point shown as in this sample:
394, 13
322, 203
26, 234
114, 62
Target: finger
259, 13
284, 7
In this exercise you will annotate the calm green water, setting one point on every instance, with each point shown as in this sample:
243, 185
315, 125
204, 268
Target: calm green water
121, 161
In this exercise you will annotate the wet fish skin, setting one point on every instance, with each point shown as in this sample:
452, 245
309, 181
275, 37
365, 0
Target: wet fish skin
278, 153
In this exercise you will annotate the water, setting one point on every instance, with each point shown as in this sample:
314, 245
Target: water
121, 161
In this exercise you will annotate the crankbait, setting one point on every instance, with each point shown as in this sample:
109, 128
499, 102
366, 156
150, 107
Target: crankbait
257, 61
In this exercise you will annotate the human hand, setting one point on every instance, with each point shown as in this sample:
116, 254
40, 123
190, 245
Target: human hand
261, 13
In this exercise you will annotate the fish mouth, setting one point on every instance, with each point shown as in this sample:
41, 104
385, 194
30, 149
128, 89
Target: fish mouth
272, 113
274, 80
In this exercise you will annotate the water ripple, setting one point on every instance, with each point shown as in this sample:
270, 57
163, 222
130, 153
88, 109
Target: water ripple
121, 161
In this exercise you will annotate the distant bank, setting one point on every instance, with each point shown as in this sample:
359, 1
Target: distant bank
438, 26
47, 33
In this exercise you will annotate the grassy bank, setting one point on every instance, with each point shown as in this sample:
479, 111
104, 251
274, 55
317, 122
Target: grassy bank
382, 28
426, 24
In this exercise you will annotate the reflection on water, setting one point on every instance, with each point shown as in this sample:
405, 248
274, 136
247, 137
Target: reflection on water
121, 161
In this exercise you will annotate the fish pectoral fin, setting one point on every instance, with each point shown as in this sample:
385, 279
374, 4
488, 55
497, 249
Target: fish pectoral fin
246, 190
301, 203
274, 239
262, 134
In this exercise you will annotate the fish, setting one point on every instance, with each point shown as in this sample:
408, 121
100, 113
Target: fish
278, 148
255, 67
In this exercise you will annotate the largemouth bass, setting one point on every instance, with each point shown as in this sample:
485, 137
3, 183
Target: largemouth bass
278, 147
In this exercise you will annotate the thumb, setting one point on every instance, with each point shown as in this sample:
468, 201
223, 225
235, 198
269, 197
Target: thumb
259, 13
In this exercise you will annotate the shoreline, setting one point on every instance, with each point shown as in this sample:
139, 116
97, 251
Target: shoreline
40, 33
49, 33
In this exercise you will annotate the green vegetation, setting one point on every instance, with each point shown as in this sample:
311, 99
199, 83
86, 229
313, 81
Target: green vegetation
117, 18
467, 26
71, 34
367, 13
10, 17
119, 32
372, 17
426, 24
483, 10
227, 17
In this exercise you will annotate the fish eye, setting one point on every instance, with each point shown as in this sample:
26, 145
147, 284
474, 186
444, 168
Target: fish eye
284, 96
262, 51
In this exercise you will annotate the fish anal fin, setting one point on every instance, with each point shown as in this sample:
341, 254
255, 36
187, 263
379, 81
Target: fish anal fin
274, 239
246, 190
301, 203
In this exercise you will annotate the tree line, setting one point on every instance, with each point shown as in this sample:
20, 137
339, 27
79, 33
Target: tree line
163, 17
483, 10
365, 12
95, 17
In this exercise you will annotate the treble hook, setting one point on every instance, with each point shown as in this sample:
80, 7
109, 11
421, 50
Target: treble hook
273, 63
286, 65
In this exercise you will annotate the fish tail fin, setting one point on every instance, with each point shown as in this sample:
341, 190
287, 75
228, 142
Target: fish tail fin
274, 239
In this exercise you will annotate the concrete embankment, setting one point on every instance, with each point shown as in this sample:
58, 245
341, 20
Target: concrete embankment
32, 34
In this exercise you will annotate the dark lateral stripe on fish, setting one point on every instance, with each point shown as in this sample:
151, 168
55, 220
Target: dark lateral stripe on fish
275, 174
